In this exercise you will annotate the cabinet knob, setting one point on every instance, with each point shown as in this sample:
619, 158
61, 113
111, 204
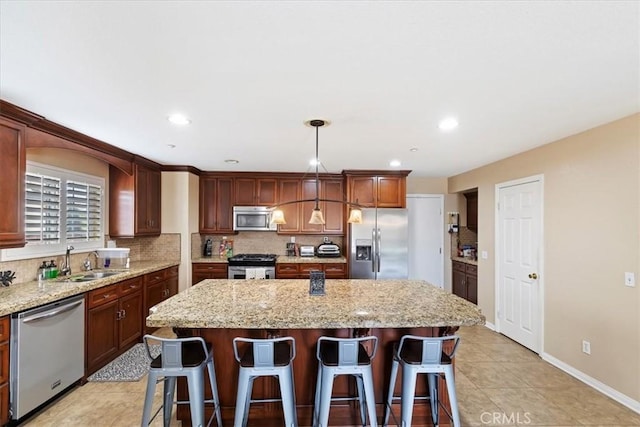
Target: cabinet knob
533, 276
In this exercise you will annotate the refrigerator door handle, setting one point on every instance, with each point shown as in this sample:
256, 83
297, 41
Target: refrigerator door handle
379, 248
373, 249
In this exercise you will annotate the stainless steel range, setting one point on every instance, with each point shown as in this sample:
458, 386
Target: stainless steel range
242, 266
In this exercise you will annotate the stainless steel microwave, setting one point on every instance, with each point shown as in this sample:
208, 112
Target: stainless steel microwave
253, 218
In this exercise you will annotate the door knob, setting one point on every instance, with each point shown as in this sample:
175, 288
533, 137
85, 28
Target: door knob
533, 276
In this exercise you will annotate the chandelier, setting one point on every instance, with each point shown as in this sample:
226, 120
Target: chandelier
355, 215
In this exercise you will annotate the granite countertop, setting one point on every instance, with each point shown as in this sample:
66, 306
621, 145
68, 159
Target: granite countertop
282, 259
286, 304
24, 296
465, 260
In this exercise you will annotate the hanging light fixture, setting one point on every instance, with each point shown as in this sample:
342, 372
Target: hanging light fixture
355, 216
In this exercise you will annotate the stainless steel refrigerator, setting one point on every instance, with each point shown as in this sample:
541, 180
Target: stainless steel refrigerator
379, 246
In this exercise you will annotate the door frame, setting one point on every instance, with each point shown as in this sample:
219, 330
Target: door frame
541, 275
442, 232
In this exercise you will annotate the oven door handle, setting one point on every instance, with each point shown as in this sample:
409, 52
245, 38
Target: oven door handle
52, 313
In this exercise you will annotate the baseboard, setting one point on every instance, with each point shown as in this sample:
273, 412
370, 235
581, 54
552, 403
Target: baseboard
621, 398
490, 326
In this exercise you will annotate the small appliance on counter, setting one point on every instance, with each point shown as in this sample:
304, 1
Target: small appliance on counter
291, 249
207, 251
328, 250
307, 251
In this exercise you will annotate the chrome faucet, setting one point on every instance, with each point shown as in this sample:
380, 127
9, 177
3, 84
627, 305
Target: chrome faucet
87, 261
66, 267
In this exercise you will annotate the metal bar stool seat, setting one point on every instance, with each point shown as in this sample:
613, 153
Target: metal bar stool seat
271, 357
423, 355
181, 357
344, 356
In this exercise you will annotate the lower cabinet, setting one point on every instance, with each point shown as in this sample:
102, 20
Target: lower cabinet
159, 286
465, 281
114, 321
208, 270
5, 324
302, 270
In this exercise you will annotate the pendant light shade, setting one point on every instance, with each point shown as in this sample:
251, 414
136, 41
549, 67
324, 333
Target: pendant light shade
355, 216
316, 217
277, 217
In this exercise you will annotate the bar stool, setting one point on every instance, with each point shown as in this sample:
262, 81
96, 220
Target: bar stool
344, 356
181, 357
270, 357
423, 355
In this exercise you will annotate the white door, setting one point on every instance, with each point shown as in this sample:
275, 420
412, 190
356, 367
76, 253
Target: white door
426, 238
518, 247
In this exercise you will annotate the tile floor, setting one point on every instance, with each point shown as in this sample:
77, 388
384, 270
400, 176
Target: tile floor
498, 381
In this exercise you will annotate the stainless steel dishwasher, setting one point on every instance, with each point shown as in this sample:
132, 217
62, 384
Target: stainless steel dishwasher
47, 353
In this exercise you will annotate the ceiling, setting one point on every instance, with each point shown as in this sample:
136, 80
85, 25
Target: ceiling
516, 75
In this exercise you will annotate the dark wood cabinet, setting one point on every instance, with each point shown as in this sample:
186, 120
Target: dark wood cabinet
114, 322
472, 210
301, 270
12, 178
333, 213
290, 190
216, 204
464, 281
134, 202
382, 189
158, 286
256, 191
5, 324
208, 270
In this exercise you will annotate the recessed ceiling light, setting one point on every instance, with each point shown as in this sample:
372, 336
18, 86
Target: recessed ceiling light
178, 119
394, 163
232, 161
449, 123
413, 150
171, 145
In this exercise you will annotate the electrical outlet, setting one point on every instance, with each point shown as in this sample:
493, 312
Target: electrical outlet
629, 279
586, 347
485, 255
293, 239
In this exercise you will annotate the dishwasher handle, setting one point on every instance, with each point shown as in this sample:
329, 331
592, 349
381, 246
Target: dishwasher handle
48, 314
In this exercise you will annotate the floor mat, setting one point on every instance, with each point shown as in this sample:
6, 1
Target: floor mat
129, 366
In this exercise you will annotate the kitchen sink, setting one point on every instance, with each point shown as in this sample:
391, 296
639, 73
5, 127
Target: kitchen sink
94, 275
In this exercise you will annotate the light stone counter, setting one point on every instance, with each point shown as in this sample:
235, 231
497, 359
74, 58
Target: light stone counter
283, 259
27, 295
286, 304
464, 260
214, 260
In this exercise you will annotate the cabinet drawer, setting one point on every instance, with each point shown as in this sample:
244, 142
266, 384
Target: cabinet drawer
171, 272
458, 266
334, 268
5, 324
472, 269
130, 285
206, 267
286, 268
4, 364
306, 268
155, 277
103, 295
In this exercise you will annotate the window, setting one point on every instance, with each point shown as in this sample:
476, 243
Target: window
62, 208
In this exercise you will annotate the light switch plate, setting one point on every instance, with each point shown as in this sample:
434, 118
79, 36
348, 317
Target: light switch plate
629, 279
485, 255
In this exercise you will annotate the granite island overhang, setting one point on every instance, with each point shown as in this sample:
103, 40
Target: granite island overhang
220, 310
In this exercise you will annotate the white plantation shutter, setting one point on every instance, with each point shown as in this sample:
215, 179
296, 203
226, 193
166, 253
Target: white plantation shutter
83, 211
42, 209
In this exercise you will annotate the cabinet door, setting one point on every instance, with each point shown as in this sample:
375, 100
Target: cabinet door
391, 192
12, 177
208, 196
207, 270
245, 192
458, 280
4, 404
142, 200
472, 288
154, 294
290, 190
267, 191
333, 212
130, 320
4, 363
224, 205
362, 190
102, 335
472, 210
154, 187
305, 268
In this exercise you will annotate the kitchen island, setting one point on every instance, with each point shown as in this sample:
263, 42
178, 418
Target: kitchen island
220, 310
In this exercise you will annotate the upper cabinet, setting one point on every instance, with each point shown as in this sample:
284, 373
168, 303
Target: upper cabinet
289, 190
12, 173
472, 210
332, 212
255, 192
382, 189
216, 204
134, 202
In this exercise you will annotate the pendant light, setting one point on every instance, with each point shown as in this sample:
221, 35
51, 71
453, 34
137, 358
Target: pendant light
355, 215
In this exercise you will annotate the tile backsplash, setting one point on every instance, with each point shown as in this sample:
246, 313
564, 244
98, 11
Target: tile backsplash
264, 242
163, 247
464, 236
